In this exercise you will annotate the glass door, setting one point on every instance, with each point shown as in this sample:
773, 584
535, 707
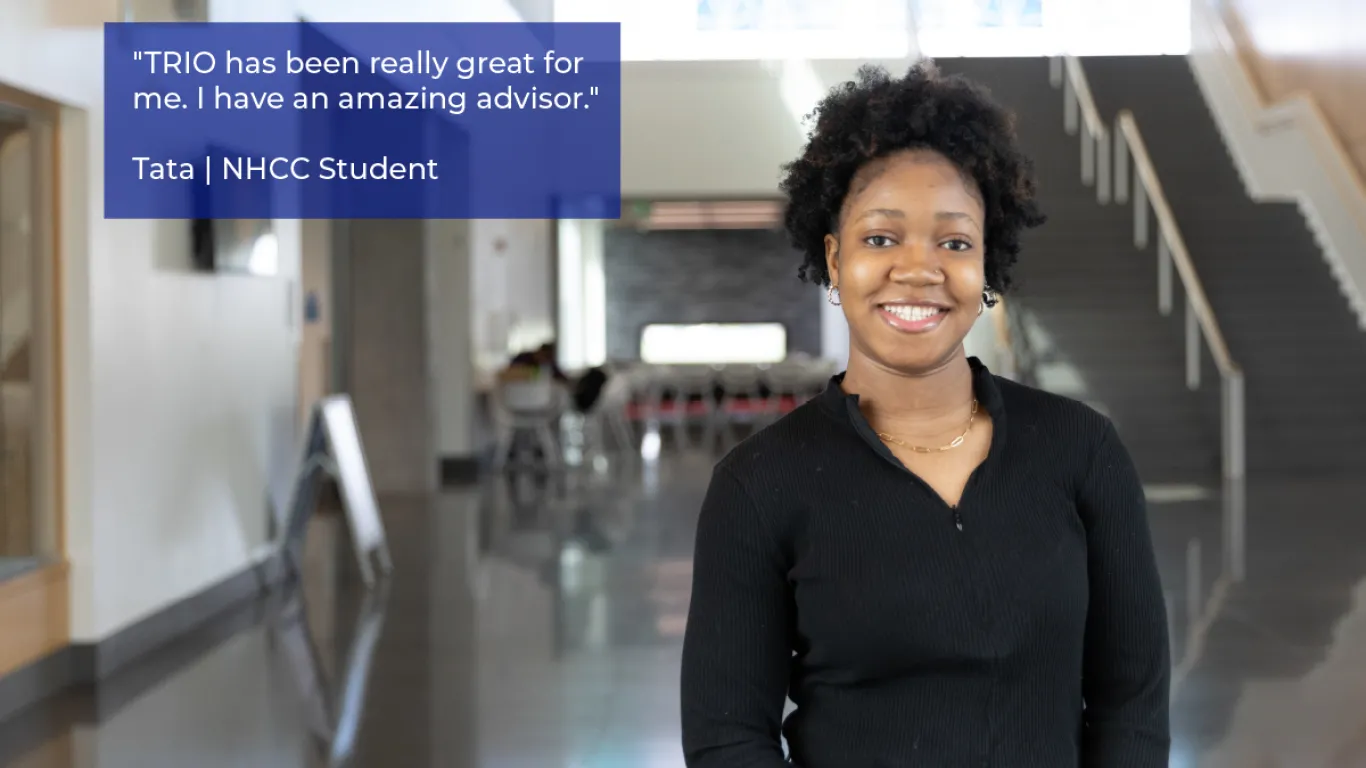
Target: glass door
29, 535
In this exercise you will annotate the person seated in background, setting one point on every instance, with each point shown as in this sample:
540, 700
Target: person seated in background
529, 366
588, 388
531, 363
585, 390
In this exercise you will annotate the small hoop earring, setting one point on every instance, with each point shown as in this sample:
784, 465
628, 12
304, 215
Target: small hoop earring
989, 300
830, 296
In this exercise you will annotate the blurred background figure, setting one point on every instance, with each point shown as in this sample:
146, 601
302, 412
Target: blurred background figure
543, 361
1200, 281
538, 362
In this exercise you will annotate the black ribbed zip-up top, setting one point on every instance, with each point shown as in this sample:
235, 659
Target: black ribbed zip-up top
1024, 628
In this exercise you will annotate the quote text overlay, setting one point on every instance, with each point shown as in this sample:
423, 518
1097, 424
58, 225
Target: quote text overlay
333, 121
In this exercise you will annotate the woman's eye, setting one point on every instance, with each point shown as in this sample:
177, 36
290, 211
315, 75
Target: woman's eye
878, 241
958, 245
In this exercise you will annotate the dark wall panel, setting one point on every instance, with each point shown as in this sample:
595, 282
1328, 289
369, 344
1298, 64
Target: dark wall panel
706, 276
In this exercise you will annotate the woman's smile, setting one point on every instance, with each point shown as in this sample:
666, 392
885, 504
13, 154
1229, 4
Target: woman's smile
913, 318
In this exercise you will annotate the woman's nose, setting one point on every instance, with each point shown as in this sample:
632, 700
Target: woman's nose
917, 264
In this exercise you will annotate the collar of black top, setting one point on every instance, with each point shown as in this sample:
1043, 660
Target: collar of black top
841, 403
844, 407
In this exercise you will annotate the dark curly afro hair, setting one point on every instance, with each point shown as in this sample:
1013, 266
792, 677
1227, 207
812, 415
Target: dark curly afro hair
875, 116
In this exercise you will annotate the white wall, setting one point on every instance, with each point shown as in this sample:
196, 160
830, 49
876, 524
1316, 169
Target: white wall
180, 388
717, 128
512, 273
703, 128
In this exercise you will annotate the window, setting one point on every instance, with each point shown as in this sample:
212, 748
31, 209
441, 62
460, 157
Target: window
687, 30
986, 28
713, 343
28, 525
683, 30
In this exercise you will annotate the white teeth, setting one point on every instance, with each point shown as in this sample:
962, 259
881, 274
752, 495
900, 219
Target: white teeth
912, 313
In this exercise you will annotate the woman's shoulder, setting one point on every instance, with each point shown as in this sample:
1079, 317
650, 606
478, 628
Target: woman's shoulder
1054, 416
782, 446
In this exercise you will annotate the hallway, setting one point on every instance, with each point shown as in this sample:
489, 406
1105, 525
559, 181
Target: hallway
536, 628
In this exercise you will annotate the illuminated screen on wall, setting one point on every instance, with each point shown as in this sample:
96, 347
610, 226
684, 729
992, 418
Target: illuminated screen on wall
713, 343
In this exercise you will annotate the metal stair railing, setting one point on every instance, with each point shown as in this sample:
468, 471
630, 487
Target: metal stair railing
1108, 171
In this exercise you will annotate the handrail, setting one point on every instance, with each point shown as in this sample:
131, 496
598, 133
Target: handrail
1176, 245
1172, 251
1077, 76
1079, 110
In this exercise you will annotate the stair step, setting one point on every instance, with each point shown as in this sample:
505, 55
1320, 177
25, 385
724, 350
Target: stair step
1093, 294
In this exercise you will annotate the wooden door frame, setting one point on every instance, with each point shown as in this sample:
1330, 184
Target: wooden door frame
38, 601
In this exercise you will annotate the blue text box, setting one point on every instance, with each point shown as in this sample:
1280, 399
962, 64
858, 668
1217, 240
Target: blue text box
323, 121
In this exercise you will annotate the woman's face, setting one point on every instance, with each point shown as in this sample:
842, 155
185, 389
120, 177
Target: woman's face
908, 260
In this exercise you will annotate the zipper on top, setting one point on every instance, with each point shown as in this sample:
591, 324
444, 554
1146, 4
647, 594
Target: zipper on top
967, 489
870, 437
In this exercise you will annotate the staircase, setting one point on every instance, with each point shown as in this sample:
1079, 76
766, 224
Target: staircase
1281, 312
1089, 298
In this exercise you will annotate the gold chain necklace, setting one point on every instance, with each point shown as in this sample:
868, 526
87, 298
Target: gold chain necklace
957, 441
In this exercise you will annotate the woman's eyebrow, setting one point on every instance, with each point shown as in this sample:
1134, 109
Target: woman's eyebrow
893, 213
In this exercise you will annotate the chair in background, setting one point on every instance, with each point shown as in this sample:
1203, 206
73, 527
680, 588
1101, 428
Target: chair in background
528, 409
795, 379
694, 403
610, 417
651, 390
742, 401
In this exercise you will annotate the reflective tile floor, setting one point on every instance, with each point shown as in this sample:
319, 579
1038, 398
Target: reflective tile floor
539, 627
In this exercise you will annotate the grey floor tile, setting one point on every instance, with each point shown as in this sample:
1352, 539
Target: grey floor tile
531, 626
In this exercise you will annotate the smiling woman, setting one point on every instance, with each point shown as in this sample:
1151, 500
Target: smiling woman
938, 566
903, 270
